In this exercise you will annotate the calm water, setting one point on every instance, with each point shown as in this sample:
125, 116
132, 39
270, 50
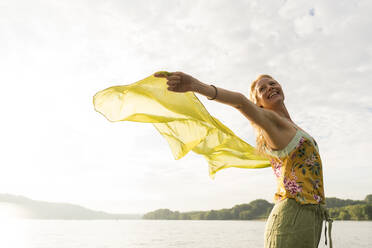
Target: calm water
158, 234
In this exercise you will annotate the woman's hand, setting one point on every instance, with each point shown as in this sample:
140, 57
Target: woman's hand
178, 81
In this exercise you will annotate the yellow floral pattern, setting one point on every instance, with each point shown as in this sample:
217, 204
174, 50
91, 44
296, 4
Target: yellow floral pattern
298, 169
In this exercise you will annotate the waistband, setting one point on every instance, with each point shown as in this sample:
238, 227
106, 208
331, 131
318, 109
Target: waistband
323, 213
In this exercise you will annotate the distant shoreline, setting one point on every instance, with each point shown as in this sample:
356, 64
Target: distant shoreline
339, 209
24, 208
13, 206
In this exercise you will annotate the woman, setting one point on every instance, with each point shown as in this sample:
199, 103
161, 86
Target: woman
296, 219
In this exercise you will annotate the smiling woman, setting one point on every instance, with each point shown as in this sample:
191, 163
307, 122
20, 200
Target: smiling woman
266, 87
296, 219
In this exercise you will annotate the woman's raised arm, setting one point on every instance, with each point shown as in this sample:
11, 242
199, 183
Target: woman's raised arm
264, 118
181, 82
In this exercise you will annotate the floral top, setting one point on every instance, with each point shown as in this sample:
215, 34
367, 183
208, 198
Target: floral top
298, 169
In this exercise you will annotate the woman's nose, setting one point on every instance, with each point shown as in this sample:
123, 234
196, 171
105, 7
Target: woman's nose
270, 88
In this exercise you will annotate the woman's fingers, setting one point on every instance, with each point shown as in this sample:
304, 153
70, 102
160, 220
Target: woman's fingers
166, 74
159, 75
172, 82
162, 74
176, 81
174, 77
173, 88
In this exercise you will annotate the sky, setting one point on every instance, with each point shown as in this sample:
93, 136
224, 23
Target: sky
55, 55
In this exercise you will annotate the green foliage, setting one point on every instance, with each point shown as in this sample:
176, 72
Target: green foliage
258, 209
352, 212
160, 214
211, 215
239, 208
333, 202
368, 211
368, 199
350, 209
339, 209
344, 215
185, 216
225, 214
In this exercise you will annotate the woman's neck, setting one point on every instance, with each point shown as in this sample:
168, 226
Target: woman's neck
281, 110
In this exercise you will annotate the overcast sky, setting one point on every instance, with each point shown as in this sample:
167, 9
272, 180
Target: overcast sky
55, 55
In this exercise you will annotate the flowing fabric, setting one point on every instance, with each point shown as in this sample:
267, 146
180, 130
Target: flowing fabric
181, 119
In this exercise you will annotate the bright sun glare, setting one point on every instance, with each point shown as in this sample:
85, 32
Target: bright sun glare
11, 211
14, 231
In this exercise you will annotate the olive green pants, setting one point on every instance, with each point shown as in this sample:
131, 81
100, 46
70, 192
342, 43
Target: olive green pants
292, 224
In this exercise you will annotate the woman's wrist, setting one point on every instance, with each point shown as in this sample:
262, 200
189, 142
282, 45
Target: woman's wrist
215, 93
204, 89
195, 86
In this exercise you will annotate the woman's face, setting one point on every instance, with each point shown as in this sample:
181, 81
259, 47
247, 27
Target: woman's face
269, 93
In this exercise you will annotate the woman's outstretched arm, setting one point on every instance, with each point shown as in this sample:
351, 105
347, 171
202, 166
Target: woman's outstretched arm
262, 117
181, 82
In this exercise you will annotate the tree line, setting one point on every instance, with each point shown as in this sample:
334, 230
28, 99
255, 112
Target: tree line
339, 209
349, 209
258, 209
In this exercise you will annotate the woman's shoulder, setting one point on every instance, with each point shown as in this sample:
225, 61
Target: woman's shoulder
278, 136
300, 138
306, 135
290, 140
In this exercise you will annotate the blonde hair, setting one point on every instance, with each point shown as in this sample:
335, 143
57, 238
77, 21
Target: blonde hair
260, 140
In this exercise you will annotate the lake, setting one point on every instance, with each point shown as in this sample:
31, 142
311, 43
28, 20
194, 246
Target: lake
159, 234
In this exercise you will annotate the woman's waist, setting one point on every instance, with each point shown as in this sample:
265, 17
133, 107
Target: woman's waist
292, 203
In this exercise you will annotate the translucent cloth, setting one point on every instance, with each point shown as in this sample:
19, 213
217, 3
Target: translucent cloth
181, 119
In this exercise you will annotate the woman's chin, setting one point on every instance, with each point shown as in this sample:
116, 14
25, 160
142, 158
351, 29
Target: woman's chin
274, 101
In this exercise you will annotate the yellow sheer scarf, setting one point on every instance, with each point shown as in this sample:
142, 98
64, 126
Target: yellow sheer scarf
181, 119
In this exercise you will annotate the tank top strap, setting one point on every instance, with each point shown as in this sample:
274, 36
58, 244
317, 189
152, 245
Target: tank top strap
300, 134
288, 149
309, 137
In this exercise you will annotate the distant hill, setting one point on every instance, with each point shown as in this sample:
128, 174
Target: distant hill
339, 209
23, 207
257, 209
333, 202
350, 209
26, 208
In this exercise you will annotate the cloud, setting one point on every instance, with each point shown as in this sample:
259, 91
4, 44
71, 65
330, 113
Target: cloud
57, 55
